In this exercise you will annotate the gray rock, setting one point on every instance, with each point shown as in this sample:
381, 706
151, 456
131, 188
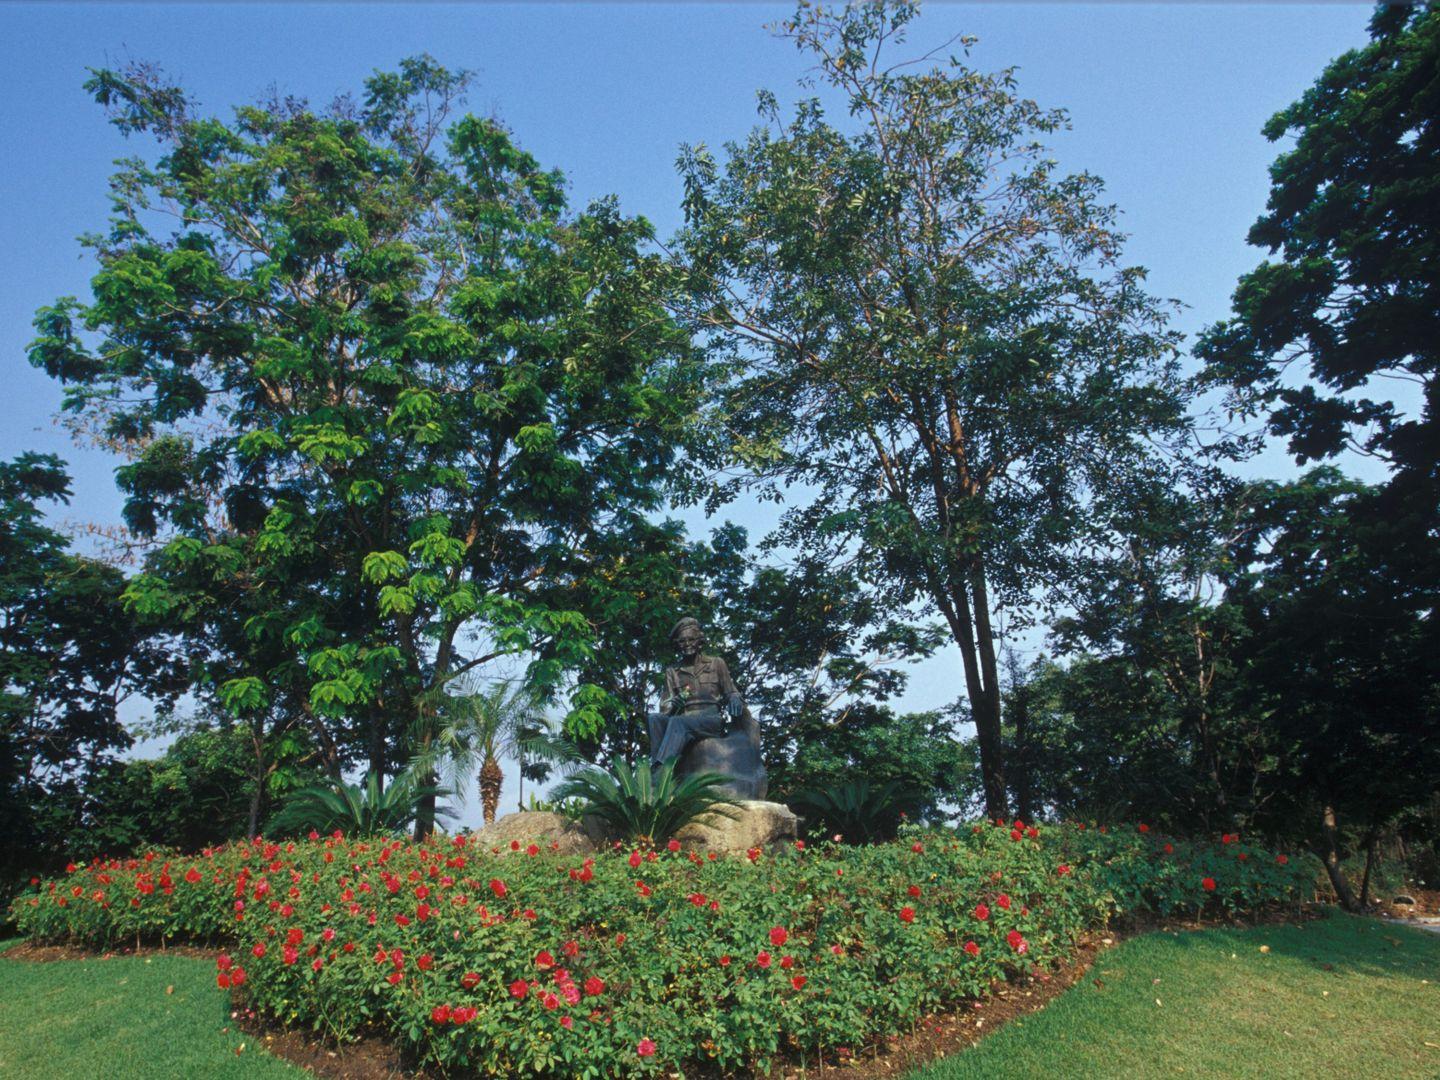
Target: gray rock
735, 754
751, 824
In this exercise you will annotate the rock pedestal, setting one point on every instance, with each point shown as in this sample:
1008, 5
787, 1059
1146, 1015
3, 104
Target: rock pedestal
752, 824
735, 754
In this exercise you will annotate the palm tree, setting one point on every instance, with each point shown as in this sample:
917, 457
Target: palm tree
484, 723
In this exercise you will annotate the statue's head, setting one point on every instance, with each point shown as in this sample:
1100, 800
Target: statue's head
687, 637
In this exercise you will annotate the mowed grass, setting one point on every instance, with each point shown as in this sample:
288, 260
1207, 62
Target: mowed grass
77, 1019
1340, 997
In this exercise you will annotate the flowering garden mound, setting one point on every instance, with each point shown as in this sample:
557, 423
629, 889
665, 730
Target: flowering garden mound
528, 962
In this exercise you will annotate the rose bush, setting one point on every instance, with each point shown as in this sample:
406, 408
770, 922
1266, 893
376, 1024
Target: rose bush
527, 962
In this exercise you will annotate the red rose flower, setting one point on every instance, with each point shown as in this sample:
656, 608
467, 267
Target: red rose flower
778, 936
635, 860
787, 961
1143, 827
982, 912
673, 845
1003, 900
544, 959
594, 987
518, 989
498, 888
972, 948
914, 890
645, 1048
798, 982
1017, 941
1283, 860
1208, 884
907, 914
440, 1014
222, 981
762, 959
1062, 870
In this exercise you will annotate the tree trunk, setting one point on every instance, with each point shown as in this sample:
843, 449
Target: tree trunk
1330, 855
425, 810
1024, 796
492, 778
985, 709
1370, 838
252, 830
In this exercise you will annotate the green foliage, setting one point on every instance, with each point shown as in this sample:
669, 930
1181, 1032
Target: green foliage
854, 810
730, 964
69, 653
644, 806
364, 809
920, 754
1351, 214
381, 391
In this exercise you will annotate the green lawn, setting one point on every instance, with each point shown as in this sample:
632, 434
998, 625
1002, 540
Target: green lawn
112, 1018
1338, 998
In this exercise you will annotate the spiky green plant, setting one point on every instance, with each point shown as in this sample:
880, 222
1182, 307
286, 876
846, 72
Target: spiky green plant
363, 809
858, 812
647, 806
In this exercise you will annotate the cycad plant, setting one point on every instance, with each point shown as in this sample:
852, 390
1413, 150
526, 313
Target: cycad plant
363, 809
644, 805
482, 724
860, 813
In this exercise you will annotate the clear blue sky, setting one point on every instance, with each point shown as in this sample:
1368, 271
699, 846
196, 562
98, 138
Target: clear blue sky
1166, 102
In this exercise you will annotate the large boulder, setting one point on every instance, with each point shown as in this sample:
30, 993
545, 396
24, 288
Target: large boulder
751, 824
550, 831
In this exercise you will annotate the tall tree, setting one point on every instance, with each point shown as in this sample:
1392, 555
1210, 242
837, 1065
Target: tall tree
1354, 216
379, 382
934, 333
1343, 658
70, 654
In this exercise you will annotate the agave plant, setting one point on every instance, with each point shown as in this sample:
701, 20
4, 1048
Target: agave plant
643, 805
859, 812
363, 809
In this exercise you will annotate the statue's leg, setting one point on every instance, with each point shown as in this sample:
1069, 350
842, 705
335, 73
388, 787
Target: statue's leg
683, 730
657, 723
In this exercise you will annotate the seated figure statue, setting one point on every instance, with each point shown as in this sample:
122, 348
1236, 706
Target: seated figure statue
703, 719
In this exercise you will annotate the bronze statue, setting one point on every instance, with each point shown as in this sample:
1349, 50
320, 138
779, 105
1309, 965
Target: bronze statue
703, 719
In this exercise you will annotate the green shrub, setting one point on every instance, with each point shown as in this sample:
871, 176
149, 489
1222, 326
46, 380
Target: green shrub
645, 807
514, 964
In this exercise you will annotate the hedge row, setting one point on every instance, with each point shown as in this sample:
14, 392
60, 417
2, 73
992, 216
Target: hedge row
529, 962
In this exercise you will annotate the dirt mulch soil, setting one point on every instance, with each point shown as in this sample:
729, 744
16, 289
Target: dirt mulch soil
48, 954
934, 1036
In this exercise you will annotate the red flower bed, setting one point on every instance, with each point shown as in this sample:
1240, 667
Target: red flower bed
530, 963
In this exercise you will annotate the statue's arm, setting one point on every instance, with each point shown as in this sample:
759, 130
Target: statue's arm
734, 700
670, 698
